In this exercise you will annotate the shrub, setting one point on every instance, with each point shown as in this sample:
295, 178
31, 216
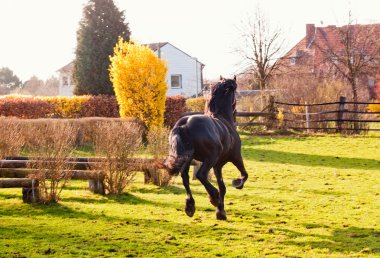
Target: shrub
68, 107
138, 78
158, 142
375, 107
52, 142
25, 107
174, 107
117, 141
100, 106
158, 146
11, 140
196, 104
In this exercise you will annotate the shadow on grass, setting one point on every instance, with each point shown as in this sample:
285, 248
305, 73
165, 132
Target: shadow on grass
171, 189
8, 196
346, 240
310, 159
63, 211
125, 198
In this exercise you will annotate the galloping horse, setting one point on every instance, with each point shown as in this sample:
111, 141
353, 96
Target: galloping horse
212, 139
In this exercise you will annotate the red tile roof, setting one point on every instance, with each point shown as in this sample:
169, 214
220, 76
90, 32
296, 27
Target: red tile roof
309, 51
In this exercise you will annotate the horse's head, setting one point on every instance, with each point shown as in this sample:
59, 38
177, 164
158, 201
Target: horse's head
223, 100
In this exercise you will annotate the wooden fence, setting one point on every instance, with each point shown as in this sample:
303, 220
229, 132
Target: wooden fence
14, 173
339, 116
269, 117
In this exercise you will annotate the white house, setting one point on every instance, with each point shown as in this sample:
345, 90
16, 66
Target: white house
184, 76
66, 83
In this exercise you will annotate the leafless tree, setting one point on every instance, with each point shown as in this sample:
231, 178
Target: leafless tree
263, 46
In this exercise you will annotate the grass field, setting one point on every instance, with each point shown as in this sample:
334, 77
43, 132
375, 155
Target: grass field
306, 197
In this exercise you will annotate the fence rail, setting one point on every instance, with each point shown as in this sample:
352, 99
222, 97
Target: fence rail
14, 172
340, 118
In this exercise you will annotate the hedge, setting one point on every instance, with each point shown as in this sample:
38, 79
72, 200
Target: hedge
174, 107
78, 106
196, 104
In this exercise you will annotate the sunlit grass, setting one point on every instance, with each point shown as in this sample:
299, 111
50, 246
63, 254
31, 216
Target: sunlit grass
306, 197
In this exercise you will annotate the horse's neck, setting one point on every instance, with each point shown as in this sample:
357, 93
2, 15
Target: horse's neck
228, 119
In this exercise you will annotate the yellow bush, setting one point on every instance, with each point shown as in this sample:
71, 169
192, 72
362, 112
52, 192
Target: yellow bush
68, 106
374, 107
138, 78
196, 104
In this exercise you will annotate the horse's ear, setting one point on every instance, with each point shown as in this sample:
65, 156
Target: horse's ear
235, 78
221, 78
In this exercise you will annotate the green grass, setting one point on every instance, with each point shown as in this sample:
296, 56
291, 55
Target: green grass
306, 197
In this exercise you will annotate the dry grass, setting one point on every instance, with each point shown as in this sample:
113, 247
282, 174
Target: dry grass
11, 140
117, 141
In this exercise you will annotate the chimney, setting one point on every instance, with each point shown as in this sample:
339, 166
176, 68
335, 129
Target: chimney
310, 34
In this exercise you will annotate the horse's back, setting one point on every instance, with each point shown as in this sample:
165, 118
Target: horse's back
209, 136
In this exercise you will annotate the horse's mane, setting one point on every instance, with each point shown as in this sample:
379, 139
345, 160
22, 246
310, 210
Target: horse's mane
212, 108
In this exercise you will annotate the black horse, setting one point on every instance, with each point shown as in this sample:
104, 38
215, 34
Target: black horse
212, 139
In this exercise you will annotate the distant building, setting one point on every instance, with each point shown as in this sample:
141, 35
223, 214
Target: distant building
66, 82
307, 56
184, 76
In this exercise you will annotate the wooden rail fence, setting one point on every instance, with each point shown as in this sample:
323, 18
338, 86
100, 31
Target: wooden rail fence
337, 116
14, 173
254, 115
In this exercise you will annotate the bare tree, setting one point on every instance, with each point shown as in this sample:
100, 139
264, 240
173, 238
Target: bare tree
352, 55
263, 46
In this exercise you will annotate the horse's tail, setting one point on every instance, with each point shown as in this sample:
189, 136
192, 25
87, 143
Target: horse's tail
181, 151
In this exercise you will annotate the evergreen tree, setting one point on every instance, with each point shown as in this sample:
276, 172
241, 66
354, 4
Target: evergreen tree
101, 26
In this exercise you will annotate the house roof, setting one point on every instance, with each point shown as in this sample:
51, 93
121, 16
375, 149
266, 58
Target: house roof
67, 68
318, 38
156, 46
153, 46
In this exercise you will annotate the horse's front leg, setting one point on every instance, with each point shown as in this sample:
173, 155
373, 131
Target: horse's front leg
190, 203
220, 212
239, 182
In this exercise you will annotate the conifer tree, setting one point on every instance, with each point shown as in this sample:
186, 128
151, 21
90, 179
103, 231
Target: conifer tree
101, 26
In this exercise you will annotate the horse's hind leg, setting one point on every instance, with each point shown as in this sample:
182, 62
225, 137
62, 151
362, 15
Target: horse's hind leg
239, 182
220, 212
202, 176
190, 203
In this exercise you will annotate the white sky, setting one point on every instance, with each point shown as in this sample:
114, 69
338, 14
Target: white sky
39, 36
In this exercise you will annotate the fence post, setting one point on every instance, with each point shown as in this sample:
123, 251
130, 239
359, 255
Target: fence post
339, 119
307, 117
96, 185
271, 121
31, 194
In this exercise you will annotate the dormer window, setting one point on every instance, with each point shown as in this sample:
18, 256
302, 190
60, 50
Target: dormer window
371, 82
65, 81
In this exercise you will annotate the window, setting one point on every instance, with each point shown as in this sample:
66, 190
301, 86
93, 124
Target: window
293, 60
65, 81
371, 82
176, 81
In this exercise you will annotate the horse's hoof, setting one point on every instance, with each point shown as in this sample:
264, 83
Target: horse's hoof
221, 215
190, 207
238, 183
214, 201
